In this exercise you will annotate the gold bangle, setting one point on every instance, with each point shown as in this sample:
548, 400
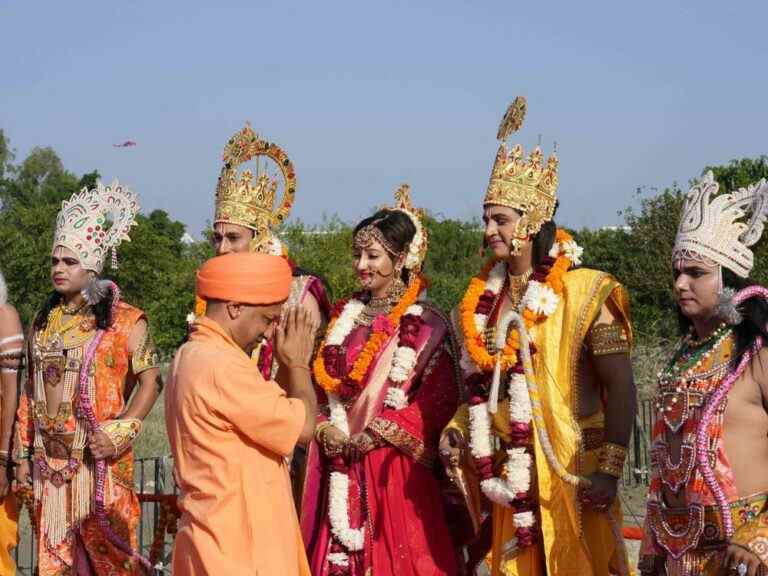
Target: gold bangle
320, 430
610, 459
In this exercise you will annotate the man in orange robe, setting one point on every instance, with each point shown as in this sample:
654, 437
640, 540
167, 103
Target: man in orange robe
231, 430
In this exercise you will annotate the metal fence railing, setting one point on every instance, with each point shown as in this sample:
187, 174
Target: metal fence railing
638, 464
151, 476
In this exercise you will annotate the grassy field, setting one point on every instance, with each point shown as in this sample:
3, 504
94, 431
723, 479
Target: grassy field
153, 440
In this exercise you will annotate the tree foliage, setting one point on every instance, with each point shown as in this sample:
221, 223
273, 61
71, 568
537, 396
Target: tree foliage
157, 268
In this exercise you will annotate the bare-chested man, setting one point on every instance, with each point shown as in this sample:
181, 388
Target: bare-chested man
708, 500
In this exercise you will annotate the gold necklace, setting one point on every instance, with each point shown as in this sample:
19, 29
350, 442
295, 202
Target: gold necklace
517, 285
375, 307
56, 328
72, 310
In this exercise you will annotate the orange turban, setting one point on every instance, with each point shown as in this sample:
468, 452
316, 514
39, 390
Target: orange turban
247, 278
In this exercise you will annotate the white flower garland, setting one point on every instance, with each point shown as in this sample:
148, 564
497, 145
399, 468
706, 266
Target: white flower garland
542, 300
344, 323
352, 539
403, 363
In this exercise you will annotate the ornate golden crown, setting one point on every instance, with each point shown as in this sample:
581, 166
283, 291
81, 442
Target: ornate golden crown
525, 184
240, 200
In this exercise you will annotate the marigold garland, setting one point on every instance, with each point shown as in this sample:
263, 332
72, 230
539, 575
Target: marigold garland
474, 341
372, 347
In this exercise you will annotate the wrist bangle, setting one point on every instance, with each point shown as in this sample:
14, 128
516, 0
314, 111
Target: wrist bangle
320, 430
299, 367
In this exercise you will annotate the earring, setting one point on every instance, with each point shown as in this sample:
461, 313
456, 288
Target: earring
397, 288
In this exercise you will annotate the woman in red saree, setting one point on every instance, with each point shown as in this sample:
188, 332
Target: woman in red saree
372, 502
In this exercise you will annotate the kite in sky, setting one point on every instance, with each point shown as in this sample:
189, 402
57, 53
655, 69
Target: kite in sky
125, 144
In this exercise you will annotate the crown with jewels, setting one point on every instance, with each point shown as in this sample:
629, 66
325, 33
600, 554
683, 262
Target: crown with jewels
525, 184
713, 228
243, 200
94, 222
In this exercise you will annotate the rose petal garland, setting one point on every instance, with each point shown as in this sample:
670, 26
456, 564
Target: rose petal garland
404, 319
405, 358
342, 325
540, 301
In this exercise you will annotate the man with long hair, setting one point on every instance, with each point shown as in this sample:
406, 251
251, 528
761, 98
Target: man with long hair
93, 377
551, 399
707, 509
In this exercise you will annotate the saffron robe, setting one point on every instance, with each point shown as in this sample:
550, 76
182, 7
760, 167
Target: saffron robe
230, 433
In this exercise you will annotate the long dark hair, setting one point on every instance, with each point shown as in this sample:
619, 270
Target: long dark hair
102, 310
754, 313
542, 242
396, 227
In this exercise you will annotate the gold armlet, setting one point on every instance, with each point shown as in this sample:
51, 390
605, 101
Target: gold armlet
122, 433
145, 356
610, 459
604, 339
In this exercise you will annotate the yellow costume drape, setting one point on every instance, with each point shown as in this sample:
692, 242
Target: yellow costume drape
575, 542
9, 532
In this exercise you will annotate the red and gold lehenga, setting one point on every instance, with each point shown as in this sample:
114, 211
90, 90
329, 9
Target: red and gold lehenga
393, 499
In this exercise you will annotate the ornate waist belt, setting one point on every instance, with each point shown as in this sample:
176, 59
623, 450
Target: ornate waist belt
58, 445
678, 530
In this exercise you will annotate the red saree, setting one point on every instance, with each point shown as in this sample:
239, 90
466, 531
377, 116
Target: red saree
394, 491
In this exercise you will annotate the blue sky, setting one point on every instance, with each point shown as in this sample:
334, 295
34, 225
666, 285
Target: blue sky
366, 95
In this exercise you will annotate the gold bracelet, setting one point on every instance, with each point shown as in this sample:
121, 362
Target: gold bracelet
320, 430
122, 432
610, 459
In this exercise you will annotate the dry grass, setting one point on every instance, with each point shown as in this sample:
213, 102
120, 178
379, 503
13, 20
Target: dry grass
648, 359
153, 440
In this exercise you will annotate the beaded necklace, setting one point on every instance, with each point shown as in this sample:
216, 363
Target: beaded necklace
686, 386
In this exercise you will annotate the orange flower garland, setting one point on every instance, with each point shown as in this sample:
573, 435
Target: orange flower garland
474, 341
377, 339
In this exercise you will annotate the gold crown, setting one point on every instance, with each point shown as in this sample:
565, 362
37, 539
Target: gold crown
240, 200
525, 184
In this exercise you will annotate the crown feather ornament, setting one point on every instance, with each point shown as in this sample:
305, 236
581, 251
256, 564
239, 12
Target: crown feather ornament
528, 185
94, 222
712, 225
243, 200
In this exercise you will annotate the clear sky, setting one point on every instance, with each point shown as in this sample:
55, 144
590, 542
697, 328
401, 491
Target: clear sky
365, 95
